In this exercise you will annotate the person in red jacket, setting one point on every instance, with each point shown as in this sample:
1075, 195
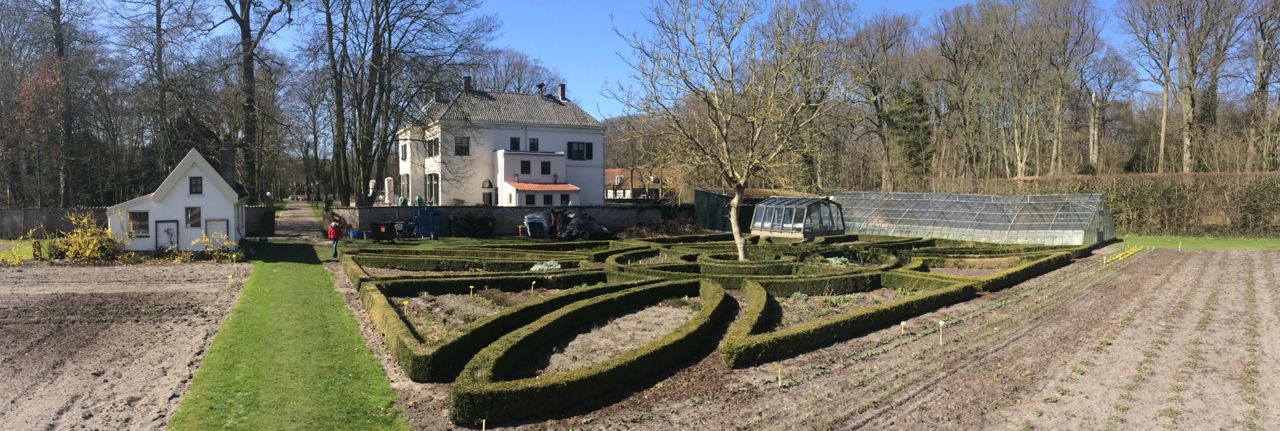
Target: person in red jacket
335, 233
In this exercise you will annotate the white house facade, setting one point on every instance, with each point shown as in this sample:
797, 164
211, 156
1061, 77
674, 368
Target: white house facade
503, 149
192, 203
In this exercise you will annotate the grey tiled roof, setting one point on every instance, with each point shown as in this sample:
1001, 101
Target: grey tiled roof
510, 108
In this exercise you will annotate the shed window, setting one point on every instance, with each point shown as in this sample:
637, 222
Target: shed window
196, 185
139, 224
564, 199
193, 216
547, 199
531, 200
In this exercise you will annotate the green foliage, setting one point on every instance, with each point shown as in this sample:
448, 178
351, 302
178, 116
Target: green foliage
909, 119
471, 225
86, 242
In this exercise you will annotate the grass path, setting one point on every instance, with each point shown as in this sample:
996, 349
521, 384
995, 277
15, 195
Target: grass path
289, 356
1203, 243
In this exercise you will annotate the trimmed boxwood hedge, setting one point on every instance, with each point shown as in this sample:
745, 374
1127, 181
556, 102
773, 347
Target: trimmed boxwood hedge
709, 237
473, 253
505, 281
432, 263
740, 351
480, 393
743, 347
442, 362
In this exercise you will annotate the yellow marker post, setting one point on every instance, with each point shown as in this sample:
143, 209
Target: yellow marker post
473, 289
483, 424
904, 328
779, 376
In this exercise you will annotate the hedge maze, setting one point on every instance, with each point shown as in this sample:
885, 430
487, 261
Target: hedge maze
483, 318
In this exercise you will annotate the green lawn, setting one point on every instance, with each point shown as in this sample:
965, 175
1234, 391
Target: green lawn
1203, 243
289, 356
23, 249
318, 210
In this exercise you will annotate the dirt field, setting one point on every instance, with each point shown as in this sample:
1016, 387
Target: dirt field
614, 337
105, 347
1167, 339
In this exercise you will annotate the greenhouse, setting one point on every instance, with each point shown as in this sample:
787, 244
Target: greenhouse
1064, 219
797, 217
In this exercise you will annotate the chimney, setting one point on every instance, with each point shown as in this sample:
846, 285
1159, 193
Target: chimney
227, 160
560, 92
466, 83
542, 89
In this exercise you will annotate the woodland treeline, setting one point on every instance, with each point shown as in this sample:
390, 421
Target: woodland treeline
992, 89
99, 99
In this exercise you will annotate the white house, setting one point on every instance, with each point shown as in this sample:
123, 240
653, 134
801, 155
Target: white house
503, 149
194, 201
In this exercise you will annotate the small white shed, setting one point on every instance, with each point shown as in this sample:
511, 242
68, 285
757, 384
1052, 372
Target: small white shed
193, 202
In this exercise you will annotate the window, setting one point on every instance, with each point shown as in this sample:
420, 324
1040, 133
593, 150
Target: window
196, 185
433, 147
580, 151
546, 168
139, 224
193, 216
404, 151
488, 199
525, 168
461, 146
564, 199
533, 144
531, 200
509, 197
433, 189
547, 200
515, 143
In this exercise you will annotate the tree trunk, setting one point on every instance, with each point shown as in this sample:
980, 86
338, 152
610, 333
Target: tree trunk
1164, 125
341, 175
739, 240
249, 94
64, 104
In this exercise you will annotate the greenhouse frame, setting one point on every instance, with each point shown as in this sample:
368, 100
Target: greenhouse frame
797, 217
1061, 219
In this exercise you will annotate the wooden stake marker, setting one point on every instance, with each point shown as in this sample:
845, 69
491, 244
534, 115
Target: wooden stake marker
941, 324
779, 376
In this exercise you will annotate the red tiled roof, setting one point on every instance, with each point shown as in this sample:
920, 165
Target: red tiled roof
542, 187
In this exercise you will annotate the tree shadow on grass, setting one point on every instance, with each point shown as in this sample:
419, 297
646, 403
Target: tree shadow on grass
286, 252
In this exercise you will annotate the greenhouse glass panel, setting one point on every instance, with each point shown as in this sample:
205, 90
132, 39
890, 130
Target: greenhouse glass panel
1063, 219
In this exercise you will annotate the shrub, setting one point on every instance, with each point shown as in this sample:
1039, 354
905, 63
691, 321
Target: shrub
471, 225
87, 241
545, 266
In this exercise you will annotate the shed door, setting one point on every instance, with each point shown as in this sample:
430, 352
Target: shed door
217, 229
167, 234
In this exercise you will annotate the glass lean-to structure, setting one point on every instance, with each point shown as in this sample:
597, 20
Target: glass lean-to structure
1063, 219
797, 217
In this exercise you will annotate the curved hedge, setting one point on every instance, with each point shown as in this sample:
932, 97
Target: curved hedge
442, 362
480, 393
745, 346
512, 281
431, 263
742, 347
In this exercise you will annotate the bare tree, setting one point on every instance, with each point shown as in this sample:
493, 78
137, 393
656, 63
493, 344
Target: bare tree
1071, 27
1108, 77
1263, 42
253, 22
1148, 21
736, 95
878, 56
511, 71
1202, 31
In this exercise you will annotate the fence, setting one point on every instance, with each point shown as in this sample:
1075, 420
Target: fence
616, 218
15, 222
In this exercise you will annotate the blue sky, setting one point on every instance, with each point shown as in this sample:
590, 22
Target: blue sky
577, 39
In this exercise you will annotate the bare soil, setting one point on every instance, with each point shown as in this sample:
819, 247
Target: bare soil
802, 308
110, 347
437, 318
965, 272
599, 343
1163, 339
389, 272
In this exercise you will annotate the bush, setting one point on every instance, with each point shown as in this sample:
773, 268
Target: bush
471, 225
481, 393
86, 242
506, 282
431, 263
